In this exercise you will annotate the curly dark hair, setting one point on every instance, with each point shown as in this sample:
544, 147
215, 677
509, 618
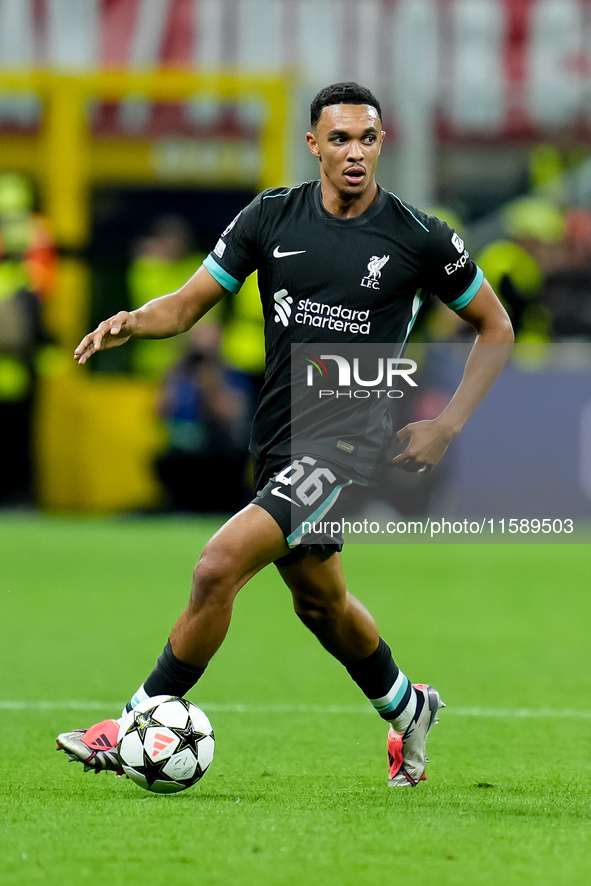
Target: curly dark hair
348, 93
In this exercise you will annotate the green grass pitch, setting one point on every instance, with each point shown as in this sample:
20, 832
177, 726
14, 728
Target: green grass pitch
297, 790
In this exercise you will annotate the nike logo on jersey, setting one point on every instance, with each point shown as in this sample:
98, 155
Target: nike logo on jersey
278, 254
277, 491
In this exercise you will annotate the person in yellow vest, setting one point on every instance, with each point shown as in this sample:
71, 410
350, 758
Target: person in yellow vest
242, 345
518, 264
551, 161
242, 349
28, 264
162, 262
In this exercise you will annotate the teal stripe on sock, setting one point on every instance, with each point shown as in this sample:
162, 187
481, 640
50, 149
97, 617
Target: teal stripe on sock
391, 706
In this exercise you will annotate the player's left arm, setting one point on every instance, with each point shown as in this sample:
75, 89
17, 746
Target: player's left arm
428, 440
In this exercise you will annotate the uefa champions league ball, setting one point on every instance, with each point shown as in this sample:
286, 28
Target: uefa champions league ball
166, 744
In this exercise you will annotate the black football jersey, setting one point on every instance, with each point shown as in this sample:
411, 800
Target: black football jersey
327, 279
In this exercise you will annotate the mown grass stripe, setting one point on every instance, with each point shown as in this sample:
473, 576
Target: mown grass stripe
236, 708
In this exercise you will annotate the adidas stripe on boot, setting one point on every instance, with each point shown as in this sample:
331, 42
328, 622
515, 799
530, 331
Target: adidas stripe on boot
96, 747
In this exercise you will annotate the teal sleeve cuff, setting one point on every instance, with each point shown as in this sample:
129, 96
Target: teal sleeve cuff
462, 300
224, 279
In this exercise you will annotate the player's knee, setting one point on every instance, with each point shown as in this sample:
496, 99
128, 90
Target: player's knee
315, 612
213, 578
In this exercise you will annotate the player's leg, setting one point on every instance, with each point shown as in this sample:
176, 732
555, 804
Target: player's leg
244, 545
247, 543
321, 601
347, 630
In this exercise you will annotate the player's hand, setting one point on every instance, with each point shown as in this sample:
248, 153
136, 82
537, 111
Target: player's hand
427, 442
108, 334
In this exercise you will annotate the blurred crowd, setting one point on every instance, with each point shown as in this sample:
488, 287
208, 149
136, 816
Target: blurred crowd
209, 378
536, 252
540, 267
28, 264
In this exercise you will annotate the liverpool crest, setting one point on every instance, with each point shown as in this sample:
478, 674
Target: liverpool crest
374, 268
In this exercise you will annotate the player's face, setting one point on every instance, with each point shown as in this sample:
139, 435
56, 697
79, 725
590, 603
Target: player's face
347, 140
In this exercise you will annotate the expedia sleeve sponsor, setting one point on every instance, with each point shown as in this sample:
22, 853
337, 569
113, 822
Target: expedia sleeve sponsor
449, 272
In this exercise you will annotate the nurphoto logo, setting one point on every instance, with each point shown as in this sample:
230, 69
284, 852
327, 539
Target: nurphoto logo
389, 372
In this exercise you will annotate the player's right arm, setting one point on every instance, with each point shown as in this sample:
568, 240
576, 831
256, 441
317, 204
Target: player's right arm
160, 318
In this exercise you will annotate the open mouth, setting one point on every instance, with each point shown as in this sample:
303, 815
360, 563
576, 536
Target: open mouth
354, 175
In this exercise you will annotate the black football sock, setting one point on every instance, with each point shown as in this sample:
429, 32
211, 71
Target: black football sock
171, 676
388, 689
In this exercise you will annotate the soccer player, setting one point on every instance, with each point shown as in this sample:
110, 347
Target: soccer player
339, 260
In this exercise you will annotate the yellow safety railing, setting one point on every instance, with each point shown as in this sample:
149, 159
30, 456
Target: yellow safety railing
66, 161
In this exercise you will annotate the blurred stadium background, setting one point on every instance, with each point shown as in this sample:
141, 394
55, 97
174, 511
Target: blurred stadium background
132, 132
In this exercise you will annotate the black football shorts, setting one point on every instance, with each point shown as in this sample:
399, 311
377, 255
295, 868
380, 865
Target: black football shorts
308, 497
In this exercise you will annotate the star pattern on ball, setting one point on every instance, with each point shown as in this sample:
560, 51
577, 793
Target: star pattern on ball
187, 735
152, 770
144, 721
